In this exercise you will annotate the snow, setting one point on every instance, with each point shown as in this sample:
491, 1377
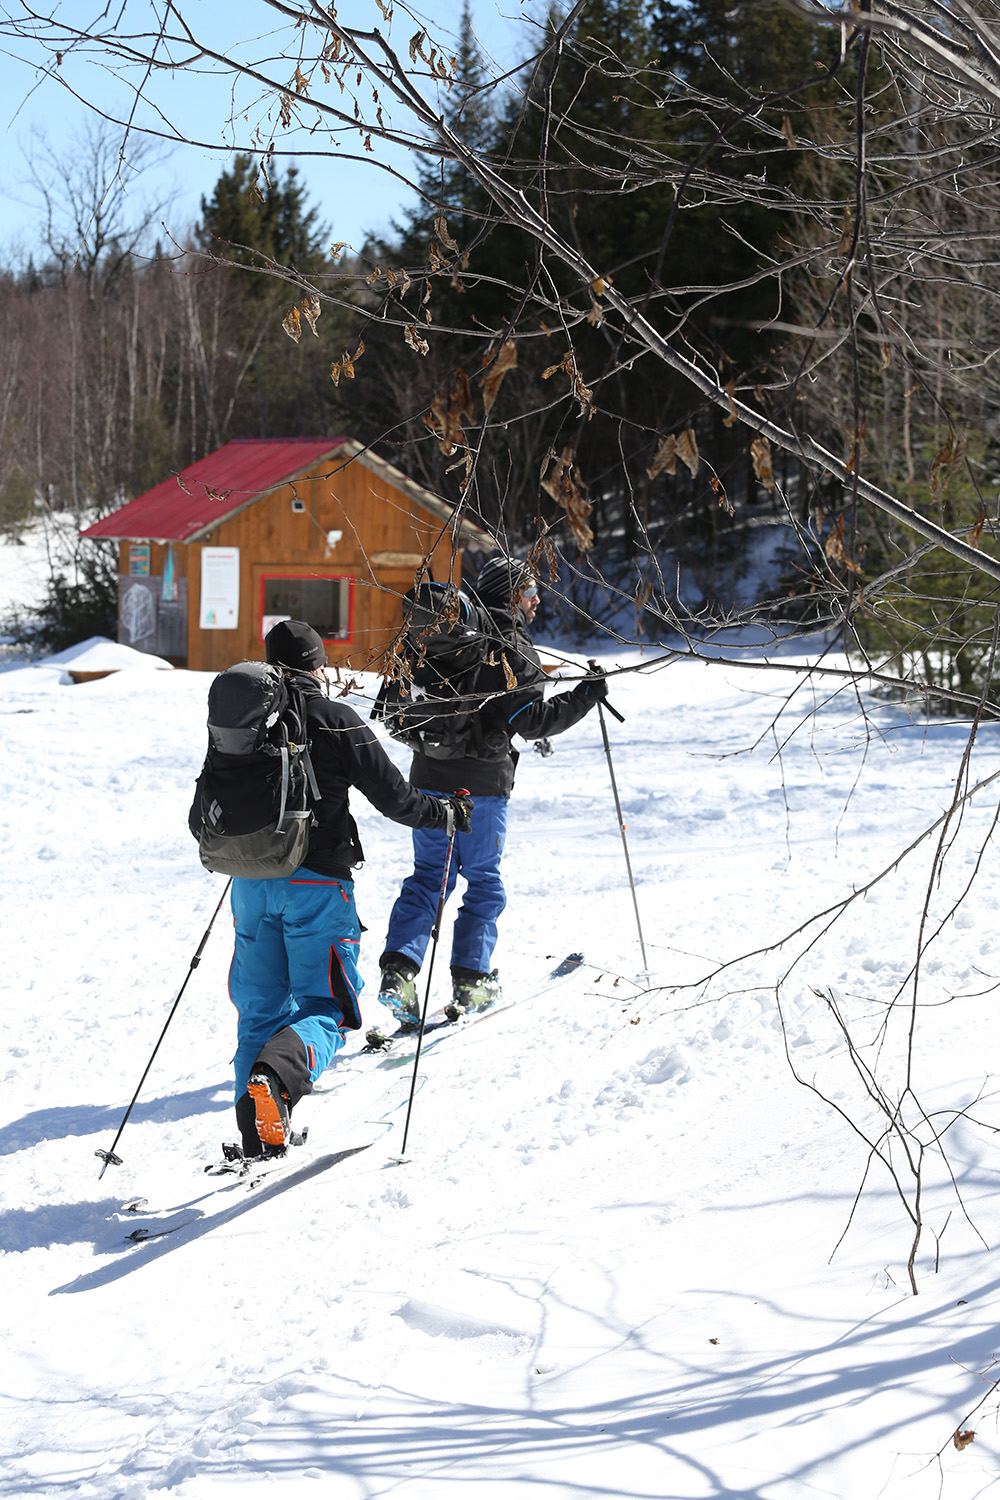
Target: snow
99, 654
627, 1253
96, 654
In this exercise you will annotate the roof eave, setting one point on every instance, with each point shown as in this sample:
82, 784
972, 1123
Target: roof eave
217, 520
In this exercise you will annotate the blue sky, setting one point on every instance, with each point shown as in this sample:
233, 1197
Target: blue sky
37, 111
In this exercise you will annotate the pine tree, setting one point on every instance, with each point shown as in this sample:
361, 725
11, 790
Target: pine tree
243, 223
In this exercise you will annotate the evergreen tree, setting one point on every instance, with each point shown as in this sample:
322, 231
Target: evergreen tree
251, 226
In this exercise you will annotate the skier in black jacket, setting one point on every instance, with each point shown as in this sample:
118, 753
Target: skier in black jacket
294, 978
510, 592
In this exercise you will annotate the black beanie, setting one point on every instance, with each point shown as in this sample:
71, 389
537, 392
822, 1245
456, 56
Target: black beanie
293, 643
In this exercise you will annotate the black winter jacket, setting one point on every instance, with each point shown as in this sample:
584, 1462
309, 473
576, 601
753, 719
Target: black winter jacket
520, 710
345, 753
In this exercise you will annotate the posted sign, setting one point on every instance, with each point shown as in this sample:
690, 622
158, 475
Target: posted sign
220, 588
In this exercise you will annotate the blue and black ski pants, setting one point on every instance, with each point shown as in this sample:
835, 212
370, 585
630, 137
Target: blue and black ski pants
294, 978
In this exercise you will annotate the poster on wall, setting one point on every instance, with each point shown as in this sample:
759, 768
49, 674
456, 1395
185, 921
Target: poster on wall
220, 588
147, 622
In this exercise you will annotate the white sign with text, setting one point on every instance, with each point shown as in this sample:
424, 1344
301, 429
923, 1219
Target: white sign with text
220, 588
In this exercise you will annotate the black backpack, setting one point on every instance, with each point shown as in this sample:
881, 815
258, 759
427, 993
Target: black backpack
252, 810
450, 669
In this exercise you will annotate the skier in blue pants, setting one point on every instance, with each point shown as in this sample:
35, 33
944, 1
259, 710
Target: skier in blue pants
481, 761
295, 964
476, 858
294, 978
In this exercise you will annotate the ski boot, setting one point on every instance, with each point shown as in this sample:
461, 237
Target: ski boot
264, 1115
398, 991
471, 991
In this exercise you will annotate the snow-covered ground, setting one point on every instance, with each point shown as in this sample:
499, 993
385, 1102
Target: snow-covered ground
624, 1257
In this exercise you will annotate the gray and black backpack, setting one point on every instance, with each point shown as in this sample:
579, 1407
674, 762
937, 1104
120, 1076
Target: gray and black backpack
252, 810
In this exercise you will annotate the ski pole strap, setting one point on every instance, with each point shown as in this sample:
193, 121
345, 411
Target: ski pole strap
614, 712
285, 776
310, 774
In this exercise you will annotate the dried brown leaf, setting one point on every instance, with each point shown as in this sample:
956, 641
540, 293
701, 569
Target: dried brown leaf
217, 495
412, 336
441, 229
787, 131
448, 410
664, 460
945, 462
417, 46
724, 501
292, 324
835, 550
181, 482
582, 392
311, 310
976, 534
508, 674
562, 484
687, 450
732, 418
336, 250
467, 462
760, 455
846, 232
335, 372
963, 1439
505, 360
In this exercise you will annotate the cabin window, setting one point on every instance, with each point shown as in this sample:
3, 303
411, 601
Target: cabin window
324, 603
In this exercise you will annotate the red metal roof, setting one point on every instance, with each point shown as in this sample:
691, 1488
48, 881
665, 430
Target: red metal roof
206, 492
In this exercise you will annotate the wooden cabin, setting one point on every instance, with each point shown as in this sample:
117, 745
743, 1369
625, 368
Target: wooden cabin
265, 529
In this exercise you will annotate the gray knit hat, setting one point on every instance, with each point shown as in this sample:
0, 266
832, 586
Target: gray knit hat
502, 579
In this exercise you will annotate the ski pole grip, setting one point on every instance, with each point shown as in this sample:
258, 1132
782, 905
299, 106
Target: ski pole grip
604, 702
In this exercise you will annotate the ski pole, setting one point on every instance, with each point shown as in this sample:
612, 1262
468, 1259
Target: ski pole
621, 821
108, 1157
435, 933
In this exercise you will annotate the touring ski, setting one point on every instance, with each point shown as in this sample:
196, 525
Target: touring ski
263, 1177
562, 971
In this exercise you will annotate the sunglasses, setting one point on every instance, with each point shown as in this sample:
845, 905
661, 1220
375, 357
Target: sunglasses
530, 590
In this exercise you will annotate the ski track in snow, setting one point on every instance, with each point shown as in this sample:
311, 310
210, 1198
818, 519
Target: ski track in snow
606, 1267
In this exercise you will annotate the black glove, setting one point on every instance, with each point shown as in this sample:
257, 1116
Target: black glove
458, 812
594, 687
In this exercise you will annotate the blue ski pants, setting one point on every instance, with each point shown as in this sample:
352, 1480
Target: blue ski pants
476, 858
295, 964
